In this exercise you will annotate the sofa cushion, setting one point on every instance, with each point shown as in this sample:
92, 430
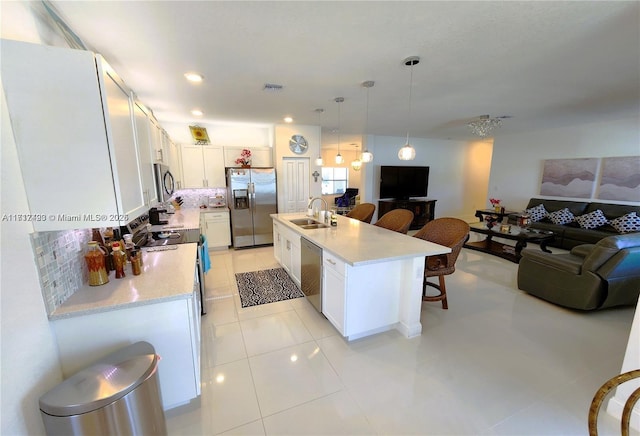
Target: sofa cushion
612, 211
576, 207
627, 223
562, 216
592, 220
537, 213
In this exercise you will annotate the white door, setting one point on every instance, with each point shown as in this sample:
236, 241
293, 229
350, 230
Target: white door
296, 184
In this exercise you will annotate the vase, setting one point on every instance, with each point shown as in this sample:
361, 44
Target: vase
498, 208
245, 166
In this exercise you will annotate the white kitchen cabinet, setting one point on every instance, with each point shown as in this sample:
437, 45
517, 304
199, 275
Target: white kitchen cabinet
215, 226
175, 165
261, 157
289, 249
72, 119
202, 166
277, 243
334, 291
172, 327
145, 153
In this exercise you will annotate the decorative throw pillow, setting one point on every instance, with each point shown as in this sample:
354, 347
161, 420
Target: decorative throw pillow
592, 220
562, 216
626, 223
537, 213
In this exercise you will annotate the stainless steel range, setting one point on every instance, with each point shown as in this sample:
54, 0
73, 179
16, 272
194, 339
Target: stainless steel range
143, 235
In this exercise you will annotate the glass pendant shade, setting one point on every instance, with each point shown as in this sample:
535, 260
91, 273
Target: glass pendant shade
367, 156
356, 165
339, 158
319, 161
407, 152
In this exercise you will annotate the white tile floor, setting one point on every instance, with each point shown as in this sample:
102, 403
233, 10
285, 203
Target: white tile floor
498, 362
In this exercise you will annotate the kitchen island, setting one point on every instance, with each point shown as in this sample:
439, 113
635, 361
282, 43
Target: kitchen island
372, 277
160, 306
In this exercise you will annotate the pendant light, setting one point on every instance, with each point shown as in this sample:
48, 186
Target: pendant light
319, 161
357, 163
367, 156
408, 152
339, 158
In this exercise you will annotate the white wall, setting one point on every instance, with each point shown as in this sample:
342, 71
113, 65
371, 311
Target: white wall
458, 172
516, 168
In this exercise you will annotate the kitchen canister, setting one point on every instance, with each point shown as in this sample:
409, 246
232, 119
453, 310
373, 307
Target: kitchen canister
95, 263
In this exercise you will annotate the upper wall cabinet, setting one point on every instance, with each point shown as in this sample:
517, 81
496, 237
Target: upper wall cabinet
145, 152
72, 119
202, 166
261, 157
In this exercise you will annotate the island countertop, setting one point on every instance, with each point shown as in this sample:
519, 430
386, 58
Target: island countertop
166, 275
359, 243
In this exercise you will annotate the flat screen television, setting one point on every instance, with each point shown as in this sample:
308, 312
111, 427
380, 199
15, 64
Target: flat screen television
403, 182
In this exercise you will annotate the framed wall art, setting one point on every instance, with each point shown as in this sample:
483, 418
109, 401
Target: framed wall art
620, 179
569, 177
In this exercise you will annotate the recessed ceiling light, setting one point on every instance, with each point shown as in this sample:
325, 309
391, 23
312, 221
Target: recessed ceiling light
194, 77
197, 112
288, 120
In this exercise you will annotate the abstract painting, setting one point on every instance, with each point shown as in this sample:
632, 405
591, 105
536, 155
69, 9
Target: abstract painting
620, 179
569, 177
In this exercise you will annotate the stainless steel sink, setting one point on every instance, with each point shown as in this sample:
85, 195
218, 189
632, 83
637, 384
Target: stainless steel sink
308, 223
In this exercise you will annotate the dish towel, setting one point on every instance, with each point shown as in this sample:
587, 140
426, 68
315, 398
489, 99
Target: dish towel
206, 260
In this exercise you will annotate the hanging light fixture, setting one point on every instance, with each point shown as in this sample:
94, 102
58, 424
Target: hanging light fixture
339, 158
319, 161
408, 152
483, 126
357, 163
367, 156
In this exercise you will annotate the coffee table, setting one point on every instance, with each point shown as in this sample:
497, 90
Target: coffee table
506, 251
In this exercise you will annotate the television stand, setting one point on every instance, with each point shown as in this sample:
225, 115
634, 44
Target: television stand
423, 210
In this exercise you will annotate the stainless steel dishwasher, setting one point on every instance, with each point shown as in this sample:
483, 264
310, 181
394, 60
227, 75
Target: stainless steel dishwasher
311, 272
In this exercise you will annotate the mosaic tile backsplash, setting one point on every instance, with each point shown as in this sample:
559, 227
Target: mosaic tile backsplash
60, 261
193, 198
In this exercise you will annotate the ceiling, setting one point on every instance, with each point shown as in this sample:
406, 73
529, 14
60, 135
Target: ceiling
544, 63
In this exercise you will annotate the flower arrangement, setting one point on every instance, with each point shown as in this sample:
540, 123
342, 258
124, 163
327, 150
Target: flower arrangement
245, 157
494, 202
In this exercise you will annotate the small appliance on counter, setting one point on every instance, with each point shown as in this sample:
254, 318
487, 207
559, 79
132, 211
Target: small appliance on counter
217, 201
154, 216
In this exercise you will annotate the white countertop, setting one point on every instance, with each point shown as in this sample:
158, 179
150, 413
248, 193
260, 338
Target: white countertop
166, 275
359, 243
185, 219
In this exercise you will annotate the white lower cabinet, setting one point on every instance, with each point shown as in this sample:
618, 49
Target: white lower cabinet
334, 291
286, 246
216, 227
360, 300
172, 327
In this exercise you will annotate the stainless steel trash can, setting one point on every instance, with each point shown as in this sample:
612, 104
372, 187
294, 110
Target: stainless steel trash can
118, 395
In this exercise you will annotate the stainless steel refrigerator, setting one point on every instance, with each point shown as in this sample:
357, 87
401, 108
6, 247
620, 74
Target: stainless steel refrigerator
251, 195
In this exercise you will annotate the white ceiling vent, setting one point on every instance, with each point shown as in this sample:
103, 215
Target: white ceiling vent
272, 87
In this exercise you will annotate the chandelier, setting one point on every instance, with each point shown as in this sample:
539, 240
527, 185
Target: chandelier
408, 152
484, 125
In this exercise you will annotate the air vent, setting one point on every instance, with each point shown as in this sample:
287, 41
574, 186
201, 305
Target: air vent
272, 87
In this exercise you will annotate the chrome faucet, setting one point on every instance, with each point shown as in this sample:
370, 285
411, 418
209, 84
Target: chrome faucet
326, 207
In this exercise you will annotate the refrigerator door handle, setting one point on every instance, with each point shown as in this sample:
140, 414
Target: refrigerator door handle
251, 194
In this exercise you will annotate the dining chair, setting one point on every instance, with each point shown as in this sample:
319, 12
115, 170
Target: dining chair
363, 212
398, 220
452, 233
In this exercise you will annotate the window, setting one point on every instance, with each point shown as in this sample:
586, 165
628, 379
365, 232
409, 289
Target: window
334, 180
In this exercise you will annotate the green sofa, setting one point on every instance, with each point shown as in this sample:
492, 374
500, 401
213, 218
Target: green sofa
589, 277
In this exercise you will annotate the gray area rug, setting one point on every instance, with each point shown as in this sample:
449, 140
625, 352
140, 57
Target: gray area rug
268, 286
